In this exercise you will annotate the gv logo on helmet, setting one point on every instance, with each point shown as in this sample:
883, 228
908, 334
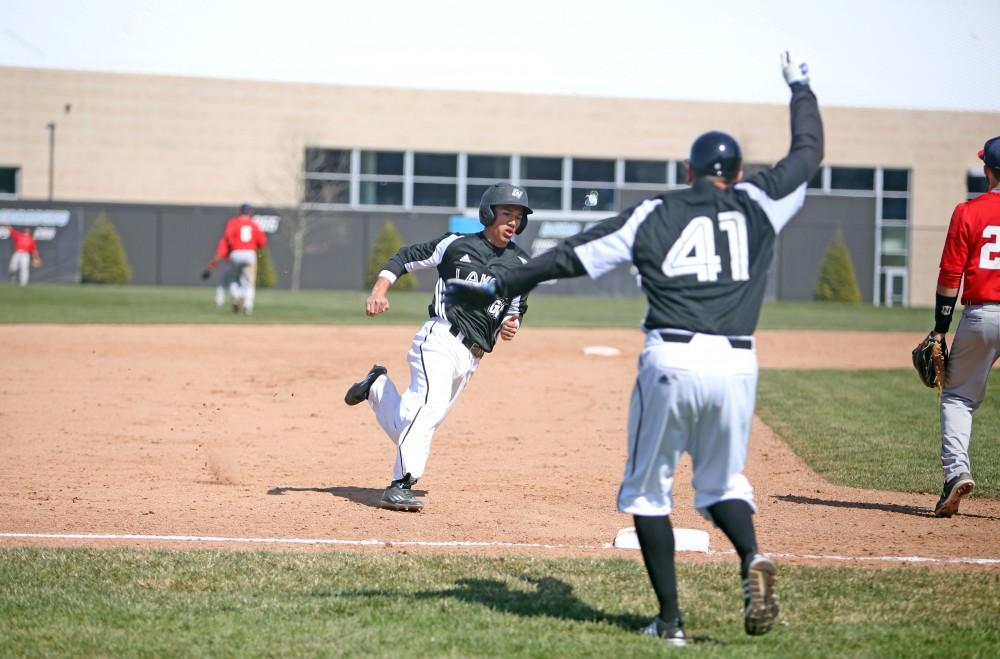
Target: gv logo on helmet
517, 193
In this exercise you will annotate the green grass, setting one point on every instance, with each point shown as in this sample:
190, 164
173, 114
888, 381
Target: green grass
875, 429
59, 602
51, 303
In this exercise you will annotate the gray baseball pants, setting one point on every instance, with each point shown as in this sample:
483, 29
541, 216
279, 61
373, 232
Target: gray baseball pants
976, 347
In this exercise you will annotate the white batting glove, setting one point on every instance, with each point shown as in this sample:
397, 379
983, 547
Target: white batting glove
796, 73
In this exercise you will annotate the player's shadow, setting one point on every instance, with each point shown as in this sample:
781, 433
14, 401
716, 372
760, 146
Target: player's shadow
916, 511
366, 496
551, 597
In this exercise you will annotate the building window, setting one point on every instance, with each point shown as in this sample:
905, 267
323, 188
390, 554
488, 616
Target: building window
894, 208
434, 179
646, 171
328, 161
494, 168
381, 193
544, 197
385, 163
593, 170
381, 179
474, 194
541, 169
327, 192
435, 164
894, 240
593, 198
8, 181
817, 181
896, 180
852, 178
434, 194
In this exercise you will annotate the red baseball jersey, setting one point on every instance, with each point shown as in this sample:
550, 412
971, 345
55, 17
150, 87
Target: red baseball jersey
972, 249
241, 232
23, 242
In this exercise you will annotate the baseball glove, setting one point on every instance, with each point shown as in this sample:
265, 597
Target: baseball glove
206, 274
930, 358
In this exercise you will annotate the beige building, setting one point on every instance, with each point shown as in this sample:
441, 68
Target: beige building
174, 140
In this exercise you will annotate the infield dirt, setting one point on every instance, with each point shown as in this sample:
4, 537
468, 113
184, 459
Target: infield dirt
242, 432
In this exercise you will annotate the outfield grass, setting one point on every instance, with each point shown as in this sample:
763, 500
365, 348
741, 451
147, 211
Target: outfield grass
153, 604
874, 429
50, 303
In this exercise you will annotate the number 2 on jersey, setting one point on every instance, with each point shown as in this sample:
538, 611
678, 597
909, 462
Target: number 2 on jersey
989, 255
694, 251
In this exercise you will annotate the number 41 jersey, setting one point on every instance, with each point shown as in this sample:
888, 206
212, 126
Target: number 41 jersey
702, 254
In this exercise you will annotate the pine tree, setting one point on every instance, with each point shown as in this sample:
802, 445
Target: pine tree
837, 281
385, 247
266, 276
103, 258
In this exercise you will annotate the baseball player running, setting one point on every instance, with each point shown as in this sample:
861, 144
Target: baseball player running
446, 350
971, 251
240, 240
24, 257
702, 256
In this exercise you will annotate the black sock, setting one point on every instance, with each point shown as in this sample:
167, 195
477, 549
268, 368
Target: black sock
735, 518
656, 539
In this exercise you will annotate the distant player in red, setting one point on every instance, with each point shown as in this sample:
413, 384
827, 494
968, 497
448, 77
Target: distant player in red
25, 255
971, 252
240, 241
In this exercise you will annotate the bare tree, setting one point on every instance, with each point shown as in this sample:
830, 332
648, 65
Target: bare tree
311, 174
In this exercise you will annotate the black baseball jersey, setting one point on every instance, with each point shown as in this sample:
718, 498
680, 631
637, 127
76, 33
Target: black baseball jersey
473, 258
702, 253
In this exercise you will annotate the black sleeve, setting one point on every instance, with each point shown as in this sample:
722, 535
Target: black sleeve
557, 263
419, 256
606, 244
804, 155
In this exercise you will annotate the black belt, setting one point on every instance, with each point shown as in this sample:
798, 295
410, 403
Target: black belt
739, 344
476, 349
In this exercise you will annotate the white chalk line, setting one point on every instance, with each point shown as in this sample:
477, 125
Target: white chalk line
468, 543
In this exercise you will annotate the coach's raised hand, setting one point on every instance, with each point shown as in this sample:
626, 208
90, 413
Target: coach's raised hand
796, 72
459, 291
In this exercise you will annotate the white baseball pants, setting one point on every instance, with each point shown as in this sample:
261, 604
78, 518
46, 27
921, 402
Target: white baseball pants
696, 397
440, 367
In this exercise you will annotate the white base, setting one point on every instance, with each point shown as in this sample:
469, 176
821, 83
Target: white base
602, 351
684, 539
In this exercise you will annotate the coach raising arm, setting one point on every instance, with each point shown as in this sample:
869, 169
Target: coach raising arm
702, 255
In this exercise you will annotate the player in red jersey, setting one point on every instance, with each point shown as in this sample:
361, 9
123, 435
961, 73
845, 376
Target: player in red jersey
971, 252
239, 243
25, 255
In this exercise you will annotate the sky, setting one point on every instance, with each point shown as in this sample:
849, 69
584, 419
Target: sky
918, 54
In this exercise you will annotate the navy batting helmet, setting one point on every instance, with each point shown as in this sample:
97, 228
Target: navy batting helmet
503, 194
716, 154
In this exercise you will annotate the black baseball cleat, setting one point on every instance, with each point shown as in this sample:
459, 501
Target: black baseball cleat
956, 488
671, 632
760, 603
358, 392
399, 496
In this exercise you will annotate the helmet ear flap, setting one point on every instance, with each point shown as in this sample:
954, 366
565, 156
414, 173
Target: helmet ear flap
524, 223
487, 216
